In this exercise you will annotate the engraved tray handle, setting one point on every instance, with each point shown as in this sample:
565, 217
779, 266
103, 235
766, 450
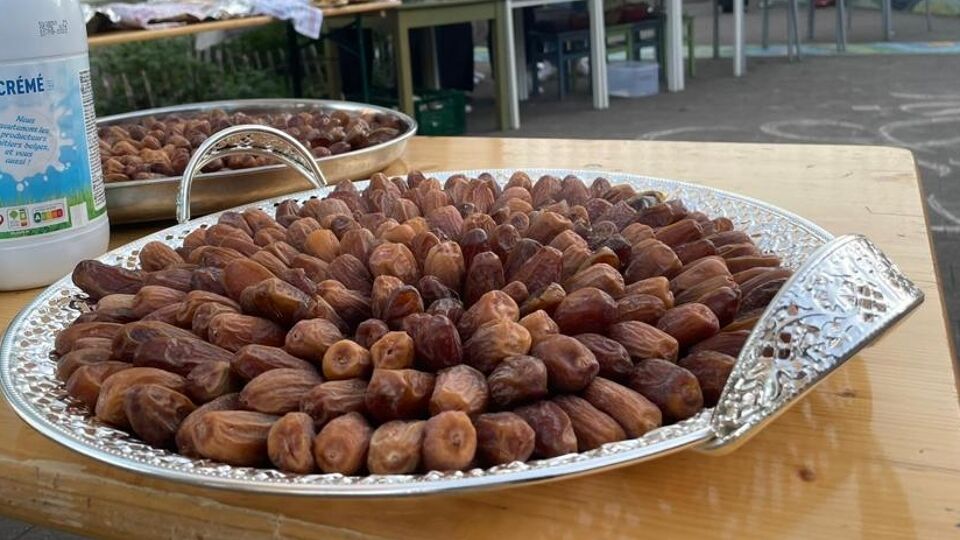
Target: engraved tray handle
844, 296
248, 139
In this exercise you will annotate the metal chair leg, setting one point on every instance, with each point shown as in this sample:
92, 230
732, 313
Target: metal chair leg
926, 13
765, 28
811, 19
841, 33
795, 6
716, 29
887, 20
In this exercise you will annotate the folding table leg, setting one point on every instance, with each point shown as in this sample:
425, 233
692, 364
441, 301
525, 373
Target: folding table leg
739, 56
598, 54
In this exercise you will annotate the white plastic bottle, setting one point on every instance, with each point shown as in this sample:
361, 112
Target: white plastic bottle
52, 203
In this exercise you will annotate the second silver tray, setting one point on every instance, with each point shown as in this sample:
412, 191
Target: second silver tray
152, 200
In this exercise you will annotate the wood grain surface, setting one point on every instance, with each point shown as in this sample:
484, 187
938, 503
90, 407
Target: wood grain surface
870, 453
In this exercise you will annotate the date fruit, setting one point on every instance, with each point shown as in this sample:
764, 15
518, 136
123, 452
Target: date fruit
517, 380
85, 382
503, 437
586, 310
398, 394
342, 444
612, 357
346, 359
459, 388
290, 443
712, 369
635, 413
395, 350
109, 407
673, 389
643, 341
155, 413
278, 391
689, 324
232, 437
309, 339
449, 442
331, 399
493, 342
593, 427
570, 364
554, 435
395, 447
436, 341
233, 331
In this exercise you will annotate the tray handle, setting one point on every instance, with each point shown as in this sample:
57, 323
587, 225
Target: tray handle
846, 294
248, 139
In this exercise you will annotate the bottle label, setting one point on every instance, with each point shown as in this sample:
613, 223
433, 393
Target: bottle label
50, 175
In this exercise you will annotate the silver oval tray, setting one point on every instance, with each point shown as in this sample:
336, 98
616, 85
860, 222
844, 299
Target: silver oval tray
844, 293
151, 200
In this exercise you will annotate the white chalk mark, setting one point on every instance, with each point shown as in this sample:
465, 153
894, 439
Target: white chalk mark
904, 95
943, 108
938, 208
778, 129
939, 168
656, 135
945, 228
886, 131
862, 108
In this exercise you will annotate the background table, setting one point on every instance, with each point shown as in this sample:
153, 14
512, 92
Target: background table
872, 452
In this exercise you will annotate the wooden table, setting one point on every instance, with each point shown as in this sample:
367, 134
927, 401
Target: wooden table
870, 453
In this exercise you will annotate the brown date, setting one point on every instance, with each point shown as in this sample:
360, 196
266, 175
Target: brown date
278, 301
397, 394
517, 380
195, 300
208, 279
613, 358
503, 437
232, 437
309, 339
98, 279
698, 272
178, 354
601, 276
679, 233
491, 307
290, 443
85, 382
346, 359
67, 338
232, 331
654, 260
656, 286
435, 340
92, 343
585, 310
450, 308
395, 447
129, 338
77, 358
485, 275
554, 435
278, 391
593, 427
173, 278
726, 342
673, 389
204, 314
740, 264
383, 288
352, 272
495, 341
712, 369
689, 324
446, 262
157, 256
253, 360
724, 302
459, 388
369, 331
540, 270
640, 307
155, 413
167, 314
643, 341
322, 244
548, 299
331, 399
403, 301
570, 364
342, 444
211, 380
635, 413
540, 326
449, 442
394, 259
109, 407
395, 350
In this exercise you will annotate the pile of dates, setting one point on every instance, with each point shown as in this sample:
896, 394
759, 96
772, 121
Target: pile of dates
161, 147
420, 325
